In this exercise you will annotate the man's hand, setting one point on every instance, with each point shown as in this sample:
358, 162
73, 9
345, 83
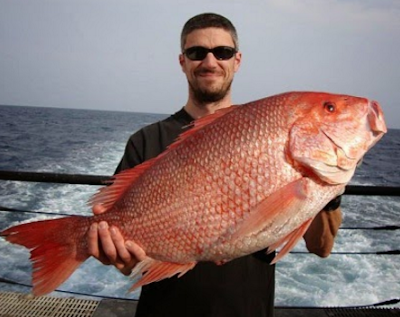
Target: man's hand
321, 234
108, 246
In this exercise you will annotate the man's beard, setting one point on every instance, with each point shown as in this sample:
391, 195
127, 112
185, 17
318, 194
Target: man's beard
204, 96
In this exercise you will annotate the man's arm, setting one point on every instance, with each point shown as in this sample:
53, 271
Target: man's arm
321, 234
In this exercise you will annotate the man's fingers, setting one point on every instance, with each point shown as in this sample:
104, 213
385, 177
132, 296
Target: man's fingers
107, 243
136, 250
119, 244
92, 239
109, 247
93, 245
138, 255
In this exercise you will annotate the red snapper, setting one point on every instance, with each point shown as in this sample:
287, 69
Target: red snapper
242, 179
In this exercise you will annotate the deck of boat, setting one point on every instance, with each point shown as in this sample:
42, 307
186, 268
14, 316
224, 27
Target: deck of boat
21, 305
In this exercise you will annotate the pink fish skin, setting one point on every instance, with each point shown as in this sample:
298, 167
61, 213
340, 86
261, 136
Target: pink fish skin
243, 179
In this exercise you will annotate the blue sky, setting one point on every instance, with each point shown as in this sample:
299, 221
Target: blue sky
123, 55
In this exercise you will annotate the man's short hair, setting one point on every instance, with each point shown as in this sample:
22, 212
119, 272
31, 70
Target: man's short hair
208, 20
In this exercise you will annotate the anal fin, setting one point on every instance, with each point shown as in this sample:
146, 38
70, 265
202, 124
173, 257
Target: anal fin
154, 271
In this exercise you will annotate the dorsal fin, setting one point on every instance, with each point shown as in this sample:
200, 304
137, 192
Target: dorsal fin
108, 195
121, 182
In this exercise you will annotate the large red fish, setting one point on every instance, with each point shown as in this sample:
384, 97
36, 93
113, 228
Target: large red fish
243, 179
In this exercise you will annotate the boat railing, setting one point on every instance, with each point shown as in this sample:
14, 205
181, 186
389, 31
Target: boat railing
84, 179
101, 180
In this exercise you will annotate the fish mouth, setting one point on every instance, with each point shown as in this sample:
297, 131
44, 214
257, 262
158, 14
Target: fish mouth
341, 153
342, 170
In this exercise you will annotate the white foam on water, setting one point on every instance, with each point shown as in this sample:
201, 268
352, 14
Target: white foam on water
345, 280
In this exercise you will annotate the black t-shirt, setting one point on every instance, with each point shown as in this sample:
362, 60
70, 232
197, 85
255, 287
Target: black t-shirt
242, 287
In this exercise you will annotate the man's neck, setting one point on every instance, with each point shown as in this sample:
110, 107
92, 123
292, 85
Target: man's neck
197, 110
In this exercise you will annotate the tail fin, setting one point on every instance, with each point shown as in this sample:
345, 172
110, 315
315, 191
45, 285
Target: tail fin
56, 249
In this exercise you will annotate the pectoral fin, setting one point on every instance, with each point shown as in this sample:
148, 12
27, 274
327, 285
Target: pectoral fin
283, 203
289, 241
287, 200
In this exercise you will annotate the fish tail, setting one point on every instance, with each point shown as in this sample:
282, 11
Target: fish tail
56, 246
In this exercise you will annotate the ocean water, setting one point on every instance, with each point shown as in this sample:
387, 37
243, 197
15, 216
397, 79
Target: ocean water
92, 142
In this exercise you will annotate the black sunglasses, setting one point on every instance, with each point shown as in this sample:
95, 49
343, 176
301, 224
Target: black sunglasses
198, 53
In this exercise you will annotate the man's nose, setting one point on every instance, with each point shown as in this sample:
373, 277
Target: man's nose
210, 60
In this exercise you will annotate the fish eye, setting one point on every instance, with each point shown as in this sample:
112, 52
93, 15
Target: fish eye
329, 106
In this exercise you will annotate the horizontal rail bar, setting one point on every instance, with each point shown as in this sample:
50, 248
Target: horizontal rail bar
389, 252
23, 211
103, 180
372, 190
55, 178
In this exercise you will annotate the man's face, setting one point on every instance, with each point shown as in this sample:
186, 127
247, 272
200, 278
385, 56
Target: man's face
209, 79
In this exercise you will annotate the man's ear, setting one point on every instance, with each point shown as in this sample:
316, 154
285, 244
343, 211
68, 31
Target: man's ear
238, 61
181, 60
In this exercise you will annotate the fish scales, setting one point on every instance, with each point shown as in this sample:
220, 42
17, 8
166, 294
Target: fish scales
204, 215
